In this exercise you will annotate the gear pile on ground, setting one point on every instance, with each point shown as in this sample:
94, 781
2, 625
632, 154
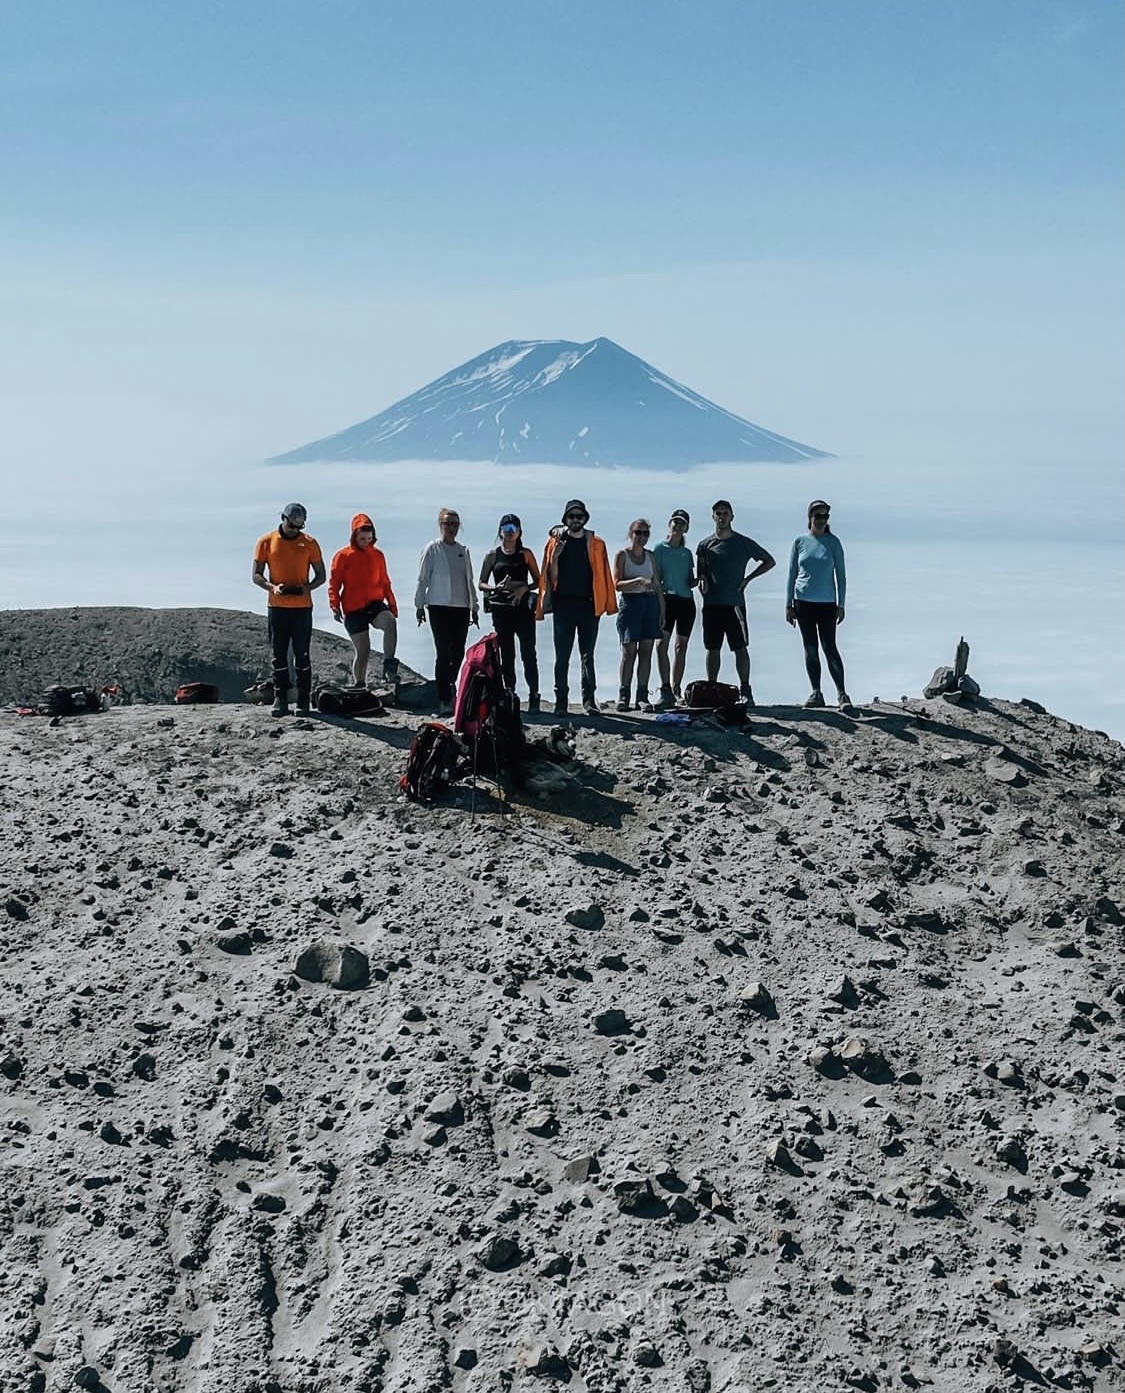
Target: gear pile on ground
789, 1057
148, 652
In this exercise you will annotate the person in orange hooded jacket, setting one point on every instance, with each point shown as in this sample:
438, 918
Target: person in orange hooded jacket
361, 598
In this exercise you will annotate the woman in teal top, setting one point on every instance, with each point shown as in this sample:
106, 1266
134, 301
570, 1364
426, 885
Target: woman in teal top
675, 564
814, 599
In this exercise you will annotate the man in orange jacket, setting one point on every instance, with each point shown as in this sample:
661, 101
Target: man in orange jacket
577, 582
361, 598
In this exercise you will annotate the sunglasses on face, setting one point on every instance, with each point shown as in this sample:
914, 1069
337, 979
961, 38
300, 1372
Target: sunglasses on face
365, 529
820, 517
576, 517
508, 530
640, 531
294, 522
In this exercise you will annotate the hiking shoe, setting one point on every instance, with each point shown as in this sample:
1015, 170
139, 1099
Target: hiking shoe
623, 699
842, 699
590, 706
534, 704
302, 707
280, 707
445, 708
667, 699
562, 706
748, 697
677, 692
815, 699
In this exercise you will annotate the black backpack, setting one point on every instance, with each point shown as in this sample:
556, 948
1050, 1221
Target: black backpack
436, 760
718, 699
197, 694
342, 701
61, 700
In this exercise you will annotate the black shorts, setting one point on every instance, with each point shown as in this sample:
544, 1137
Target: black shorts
361, 619
679, 614
725, 622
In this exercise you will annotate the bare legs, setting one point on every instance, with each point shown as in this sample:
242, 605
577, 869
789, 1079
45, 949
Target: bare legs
672, 673
639, 656
361, 642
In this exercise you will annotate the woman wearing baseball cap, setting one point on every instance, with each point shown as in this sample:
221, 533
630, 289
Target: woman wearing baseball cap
675, 565
509, 582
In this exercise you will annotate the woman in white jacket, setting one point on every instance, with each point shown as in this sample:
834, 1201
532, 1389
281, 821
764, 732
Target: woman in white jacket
446, 595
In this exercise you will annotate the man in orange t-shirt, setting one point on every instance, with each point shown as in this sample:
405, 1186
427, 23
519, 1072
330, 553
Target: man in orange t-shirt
288, 563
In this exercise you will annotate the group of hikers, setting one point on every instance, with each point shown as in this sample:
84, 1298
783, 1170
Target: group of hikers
650, 590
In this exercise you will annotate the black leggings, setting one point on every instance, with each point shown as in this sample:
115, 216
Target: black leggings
817, 621
512, 622
449, 625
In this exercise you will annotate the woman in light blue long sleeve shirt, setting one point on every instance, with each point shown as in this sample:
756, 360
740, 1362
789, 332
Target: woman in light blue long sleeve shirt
814, 599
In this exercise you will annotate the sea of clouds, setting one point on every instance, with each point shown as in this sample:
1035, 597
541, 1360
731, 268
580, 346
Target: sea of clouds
1025, 561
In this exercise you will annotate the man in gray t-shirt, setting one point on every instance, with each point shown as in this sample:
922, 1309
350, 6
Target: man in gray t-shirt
721, 562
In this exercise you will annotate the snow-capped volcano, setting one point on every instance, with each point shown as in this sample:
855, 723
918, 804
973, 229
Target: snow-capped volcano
550, 401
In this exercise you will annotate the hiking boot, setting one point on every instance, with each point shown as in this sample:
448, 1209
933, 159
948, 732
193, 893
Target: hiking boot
667, 699
748, 697
445, 708
390, 677
643, 703
280, 705
590, 706
814, 700
562, 708
534, 704
623, 699
678, 693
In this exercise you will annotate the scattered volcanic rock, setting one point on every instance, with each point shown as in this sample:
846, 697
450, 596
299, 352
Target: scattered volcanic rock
528, 1154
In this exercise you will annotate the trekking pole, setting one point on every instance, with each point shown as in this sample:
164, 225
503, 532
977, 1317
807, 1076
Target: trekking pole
476, 765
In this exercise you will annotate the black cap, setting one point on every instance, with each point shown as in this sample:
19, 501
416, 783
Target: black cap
576, 506
294, 510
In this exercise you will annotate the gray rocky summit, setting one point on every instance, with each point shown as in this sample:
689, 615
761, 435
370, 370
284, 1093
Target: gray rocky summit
385, 1113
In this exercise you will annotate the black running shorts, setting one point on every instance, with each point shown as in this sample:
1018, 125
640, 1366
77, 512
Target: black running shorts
679, 614
725, 622
360, 619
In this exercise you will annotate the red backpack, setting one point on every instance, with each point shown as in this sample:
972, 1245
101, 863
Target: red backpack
436, 760
479, 686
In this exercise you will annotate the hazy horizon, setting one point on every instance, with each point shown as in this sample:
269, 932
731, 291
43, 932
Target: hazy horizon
933, 553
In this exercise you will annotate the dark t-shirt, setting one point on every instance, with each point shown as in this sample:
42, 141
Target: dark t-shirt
576, 577
721, 562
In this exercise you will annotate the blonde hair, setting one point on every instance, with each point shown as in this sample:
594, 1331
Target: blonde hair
639, 522
447, 513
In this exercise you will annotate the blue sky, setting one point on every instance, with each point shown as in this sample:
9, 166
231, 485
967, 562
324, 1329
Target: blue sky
884, 228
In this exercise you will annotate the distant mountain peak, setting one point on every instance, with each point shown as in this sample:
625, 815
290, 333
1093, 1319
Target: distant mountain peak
552, 401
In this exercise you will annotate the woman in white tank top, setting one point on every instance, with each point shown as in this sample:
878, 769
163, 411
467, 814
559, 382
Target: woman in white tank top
640, 614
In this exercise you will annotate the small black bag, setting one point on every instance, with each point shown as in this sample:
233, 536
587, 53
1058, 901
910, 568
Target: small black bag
341, 701
60, 700
710, 695
197, 694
